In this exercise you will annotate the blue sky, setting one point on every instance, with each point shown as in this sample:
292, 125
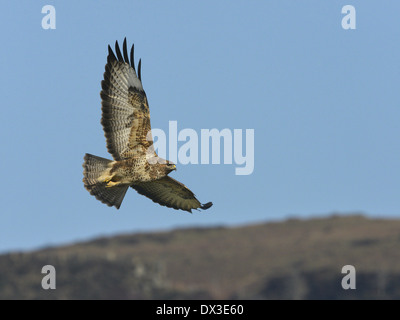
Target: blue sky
324, 104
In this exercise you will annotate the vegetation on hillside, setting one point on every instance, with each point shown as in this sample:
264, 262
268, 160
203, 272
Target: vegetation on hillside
294, 259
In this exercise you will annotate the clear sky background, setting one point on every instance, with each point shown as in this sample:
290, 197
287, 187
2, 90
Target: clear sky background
324, 103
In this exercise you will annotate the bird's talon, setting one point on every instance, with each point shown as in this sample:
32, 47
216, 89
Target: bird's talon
111, 184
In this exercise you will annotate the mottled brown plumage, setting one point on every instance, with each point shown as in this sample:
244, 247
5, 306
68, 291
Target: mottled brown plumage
126, 124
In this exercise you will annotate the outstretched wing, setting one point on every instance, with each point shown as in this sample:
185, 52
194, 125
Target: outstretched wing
126, 115
170, 193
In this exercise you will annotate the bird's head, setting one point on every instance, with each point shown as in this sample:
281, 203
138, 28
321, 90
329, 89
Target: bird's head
170, 166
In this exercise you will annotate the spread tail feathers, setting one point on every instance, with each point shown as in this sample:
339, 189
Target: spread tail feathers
94, 167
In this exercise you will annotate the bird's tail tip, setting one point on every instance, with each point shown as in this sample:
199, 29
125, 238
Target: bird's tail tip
94, 167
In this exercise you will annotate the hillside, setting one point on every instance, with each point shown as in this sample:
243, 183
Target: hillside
294, 259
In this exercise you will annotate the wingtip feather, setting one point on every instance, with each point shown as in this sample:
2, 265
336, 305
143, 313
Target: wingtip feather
118, 52
139, 70
111, 55
125, 51
206, 206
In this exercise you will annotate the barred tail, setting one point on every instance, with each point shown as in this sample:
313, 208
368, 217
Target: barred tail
94, 167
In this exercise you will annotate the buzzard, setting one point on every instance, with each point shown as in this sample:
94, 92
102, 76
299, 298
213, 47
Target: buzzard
126, 124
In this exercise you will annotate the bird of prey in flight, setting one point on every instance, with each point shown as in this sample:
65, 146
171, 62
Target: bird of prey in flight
126, 124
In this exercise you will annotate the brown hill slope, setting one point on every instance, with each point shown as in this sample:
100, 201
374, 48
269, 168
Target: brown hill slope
295, 259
